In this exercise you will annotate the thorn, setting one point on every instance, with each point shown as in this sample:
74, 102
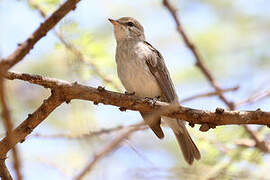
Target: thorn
122, 109
258, 110
204, 127
129, 93
191, 124
219, 110
100, 88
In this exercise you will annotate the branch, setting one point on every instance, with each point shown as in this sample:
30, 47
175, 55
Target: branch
254, 97
68, 91
44, 27
209, 94
8, 126
32, 121
197, 55
81, 136
109, 148
4, 173
201, 65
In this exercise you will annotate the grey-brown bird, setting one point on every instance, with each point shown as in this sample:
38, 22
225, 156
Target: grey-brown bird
142, 70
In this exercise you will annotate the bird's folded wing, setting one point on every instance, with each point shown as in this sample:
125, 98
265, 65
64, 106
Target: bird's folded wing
159, 70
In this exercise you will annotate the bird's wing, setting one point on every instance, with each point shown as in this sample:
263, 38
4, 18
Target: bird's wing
159, 70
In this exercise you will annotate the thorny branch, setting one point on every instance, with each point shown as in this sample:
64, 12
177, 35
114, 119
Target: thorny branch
206, 72
68, 91
8, 62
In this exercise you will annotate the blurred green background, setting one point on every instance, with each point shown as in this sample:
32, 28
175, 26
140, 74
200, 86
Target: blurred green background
233, 37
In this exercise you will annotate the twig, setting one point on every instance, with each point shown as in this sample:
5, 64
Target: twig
109, 148
44, 27
81, 136
253, 98
209, 94
8, 126
201, 65
84, 59
198, 57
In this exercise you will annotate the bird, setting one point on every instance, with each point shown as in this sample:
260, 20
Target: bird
142, 70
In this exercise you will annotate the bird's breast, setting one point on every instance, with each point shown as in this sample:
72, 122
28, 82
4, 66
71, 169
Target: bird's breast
135, 74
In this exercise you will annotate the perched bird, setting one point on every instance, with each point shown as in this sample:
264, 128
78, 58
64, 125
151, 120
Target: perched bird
142, 70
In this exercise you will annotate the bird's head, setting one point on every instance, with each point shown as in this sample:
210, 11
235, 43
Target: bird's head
127, 28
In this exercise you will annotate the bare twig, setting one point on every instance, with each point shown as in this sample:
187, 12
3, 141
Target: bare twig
48, 24
81, 136
209, 94
8, 126
109, 148
83, 58
201, 65
198, 57
253, 98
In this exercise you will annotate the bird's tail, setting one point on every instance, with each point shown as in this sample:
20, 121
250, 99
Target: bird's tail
188, 147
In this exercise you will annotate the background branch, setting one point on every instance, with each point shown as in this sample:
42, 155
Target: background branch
8, 126
109, 148
83, 58
47, 25
205, 70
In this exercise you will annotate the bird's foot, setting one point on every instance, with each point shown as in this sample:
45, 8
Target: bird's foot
152, 101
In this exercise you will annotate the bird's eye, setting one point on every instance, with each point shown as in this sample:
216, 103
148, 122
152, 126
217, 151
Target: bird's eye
130, 24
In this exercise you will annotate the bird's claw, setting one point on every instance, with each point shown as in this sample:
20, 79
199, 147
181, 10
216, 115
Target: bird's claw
152, 100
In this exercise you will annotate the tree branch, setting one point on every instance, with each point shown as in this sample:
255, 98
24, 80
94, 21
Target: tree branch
209, 94
4, 173
8, 126
81, 136
197, 55
44, 27
68, 91
32, 121
204, 69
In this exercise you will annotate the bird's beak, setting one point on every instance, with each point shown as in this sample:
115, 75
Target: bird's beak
114, 22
